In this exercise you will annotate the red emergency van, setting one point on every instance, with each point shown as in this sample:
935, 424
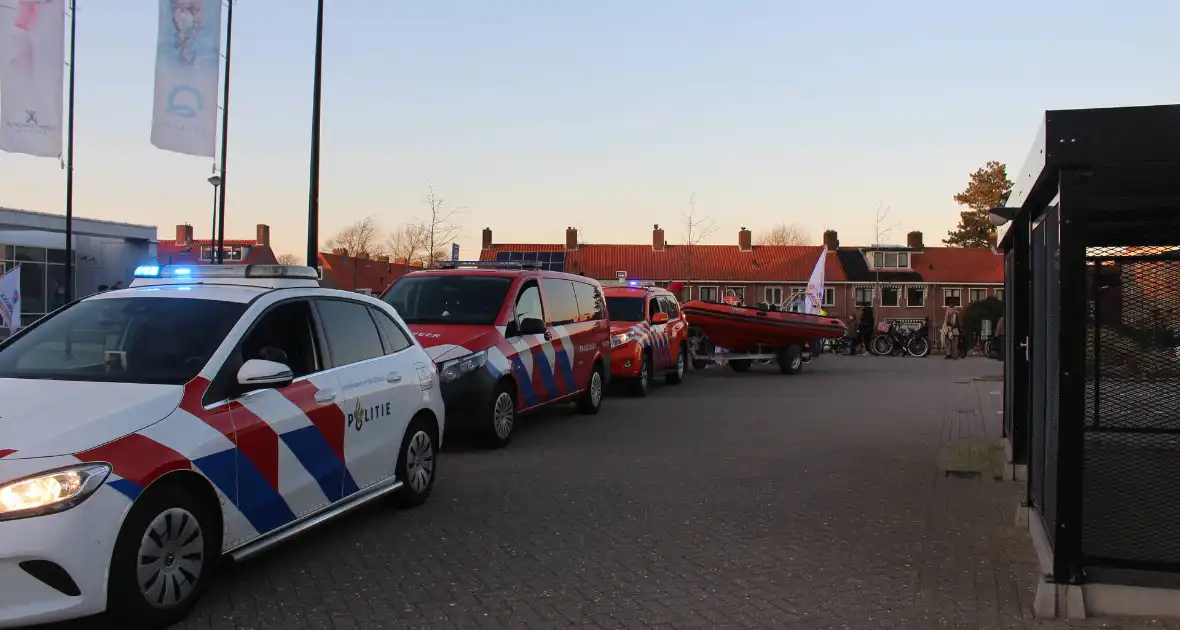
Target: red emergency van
507, 338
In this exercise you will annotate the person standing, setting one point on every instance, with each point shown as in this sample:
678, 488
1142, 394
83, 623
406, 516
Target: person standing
950, 332
867, 327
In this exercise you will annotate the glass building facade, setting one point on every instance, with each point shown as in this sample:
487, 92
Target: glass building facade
42, 278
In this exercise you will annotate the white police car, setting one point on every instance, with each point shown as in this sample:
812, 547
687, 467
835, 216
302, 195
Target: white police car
203, 412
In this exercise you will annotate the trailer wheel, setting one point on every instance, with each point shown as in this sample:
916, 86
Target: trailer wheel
790, 360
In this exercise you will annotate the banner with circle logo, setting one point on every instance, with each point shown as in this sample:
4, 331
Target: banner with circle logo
188, 65
32, 71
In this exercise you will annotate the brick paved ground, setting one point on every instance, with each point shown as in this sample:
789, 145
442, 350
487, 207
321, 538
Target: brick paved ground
733, 501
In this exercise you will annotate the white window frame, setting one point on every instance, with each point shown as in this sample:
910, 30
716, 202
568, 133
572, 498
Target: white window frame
739, 290
976, 291
922, 290
829, 301
768, 290
883, 256
899, 296
872, 295
946, 294
716, 292
999, 293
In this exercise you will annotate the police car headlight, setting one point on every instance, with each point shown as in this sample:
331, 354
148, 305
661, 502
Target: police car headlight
620, 339
51, 492
455, 368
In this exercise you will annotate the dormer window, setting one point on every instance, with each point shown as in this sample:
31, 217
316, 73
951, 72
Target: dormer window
891, 260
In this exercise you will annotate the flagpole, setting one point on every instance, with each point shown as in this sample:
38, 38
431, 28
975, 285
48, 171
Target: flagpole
229, 42
70, 160
313, 190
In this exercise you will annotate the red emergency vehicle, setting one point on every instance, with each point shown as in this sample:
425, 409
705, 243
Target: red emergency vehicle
649, 335
507, 338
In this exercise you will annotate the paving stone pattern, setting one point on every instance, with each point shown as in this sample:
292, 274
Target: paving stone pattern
734, 501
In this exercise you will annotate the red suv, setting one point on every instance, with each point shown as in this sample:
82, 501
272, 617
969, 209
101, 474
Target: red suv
507, 339
649, 335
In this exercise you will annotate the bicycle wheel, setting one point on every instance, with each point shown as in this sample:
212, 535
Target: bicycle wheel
918, 347
882, 345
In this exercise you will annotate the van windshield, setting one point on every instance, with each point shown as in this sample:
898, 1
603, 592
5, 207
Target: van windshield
625, 309
449, 299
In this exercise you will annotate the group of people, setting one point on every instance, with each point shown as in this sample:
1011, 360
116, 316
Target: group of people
863, 327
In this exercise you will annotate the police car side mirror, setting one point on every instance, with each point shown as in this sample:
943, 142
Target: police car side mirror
259, 374
531, 326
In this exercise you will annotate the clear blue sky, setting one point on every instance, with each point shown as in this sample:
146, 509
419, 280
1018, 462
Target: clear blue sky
606, 114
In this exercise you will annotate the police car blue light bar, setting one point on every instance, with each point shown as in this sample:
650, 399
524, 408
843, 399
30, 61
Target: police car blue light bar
196, 272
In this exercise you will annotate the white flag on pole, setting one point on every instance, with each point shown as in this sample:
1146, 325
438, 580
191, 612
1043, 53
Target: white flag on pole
32, 71
10, 300
814, 300
188, 64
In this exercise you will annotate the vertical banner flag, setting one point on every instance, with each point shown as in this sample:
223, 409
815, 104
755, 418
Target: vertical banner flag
10, 300
32, 73
454, 252
188, 64
814, 299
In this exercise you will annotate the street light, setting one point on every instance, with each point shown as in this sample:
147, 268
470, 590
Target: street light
215, 180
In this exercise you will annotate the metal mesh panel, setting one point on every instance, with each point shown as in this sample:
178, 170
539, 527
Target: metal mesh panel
1052, 364
1009, 343
1131, 480
1036, 451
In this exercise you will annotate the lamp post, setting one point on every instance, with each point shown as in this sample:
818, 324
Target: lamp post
215, 180
313, 189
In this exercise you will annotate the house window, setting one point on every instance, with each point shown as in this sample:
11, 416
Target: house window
952, 297
878, 259
708, 294
976, 295
915, 297
773, 295
230, 253
829, 296
1000, 294
890, 296
862, 295
740, 292
891, 260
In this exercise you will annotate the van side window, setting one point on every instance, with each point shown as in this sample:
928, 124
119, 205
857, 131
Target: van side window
589, 307
528, 303
563, 306
653, 306
599, 303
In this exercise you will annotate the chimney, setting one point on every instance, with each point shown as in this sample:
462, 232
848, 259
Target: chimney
340, 251
263, 235
914, 240
745, 240
383, 258
571, 239
657, 238
831, 241
487, 238
184, 234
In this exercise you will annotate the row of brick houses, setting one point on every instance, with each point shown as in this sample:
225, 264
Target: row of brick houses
339, 269
904, 283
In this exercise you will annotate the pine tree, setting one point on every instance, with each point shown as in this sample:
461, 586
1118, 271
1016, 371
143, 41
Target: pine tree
988, 188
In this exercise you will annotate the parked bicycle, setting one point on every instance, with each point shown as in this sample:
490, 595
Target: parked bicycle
901, 340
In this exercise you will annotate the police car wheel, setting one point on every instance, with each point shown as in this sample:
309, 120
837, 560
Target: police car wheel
591, 399
416, 463
501, 418
641, 383
676, 376
163, 557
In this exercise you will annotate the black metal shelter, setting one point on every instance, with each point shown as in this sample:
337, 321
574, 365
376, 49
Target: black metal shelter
1092, 376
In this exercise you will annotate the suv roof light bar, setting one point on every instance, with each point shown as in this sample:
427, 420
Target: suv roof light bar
486, 264
184, 272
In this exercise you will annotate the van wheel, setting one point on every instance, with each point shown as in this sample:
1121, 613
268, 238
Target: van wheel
501, 417
417, 463
676, 376
163, 558
640, 384
591, 399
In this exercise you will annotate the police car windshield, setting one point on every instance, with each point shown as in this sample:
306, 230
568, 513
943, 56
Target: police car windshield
122, 340
625, 309
449, 299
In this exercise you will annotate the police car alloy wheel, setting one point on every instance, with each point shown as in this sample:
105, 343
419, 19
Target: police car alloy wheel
163, 557
417, 462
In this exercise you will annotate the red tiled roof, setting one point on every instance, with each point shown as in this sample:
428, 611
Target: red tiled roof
709, 262
349, 274
178, 253
959, 264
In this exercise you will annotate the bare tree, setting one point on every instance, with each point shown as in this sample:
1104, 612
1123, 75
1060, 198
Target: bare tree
441, 229
786, 234
289, 259
408, 242
880, 231
359, 238
696, 229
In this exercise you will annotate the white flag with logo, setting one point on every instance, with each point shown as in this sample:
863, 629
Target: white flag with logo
32, 71
10, 300
814, 299
188, 64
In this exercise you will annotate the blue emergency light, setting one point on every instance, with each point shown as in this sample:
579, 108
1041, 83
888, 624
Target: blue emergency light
147, 271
